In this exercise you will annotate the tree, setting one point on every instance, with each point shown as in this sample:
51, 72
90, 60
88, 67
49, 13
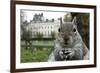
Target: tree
67, 17
26, 34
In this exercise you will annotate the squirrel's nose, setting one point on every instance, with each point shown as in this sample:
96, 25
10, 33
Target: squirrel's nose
66, 40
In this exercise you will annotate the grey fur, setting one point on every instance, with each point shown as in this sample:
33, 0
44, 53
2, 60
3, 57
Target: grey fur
69, 45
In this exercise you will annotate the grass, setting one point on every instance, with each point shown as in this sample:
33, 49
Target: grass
46, 43
38, 55
35, 55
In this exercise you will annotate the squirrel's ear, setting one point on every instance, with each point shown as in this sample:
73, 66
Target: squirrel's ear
74, 21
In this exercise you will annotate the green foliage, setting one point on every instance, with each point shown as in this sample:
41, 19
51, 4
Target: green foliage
67, 17
26, 35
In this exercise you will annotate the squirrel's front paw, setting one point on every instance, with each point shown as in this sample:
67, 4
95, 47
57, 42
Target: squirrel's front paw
65, 54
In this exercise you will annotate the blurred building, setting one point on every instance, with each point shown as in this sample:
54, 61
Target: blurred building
44, 27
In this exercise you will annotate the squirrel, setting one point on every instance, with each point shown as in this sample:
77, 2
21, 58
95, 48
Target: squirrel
68, 44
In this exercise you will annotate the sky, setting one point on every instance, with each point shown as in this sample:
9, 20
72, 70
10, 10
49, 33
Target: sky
28, 14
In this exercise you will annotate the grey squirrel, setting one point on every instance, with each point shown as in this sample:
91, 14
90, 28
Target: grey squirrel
69, 44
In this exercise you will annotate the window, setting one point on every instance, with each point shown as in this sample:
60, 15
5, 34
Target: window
48, 32
51, 27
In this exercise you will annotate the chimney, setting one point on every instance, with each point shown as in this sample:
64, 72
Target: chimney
60, 20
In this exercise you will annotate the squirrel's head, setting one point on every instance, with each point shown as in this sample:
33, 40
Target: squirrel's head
67, 33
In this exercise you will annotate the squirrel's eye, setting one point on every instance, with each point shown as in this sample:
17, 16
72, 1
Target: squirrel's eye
59, 30
74, 30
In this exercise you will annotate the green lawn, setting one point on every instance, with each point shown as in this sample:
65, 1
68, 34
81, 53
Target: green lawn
46, 43
39, 55
35, 56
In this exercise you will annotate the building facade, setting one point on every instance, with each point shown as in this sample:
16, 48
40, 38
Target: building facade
43, 28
